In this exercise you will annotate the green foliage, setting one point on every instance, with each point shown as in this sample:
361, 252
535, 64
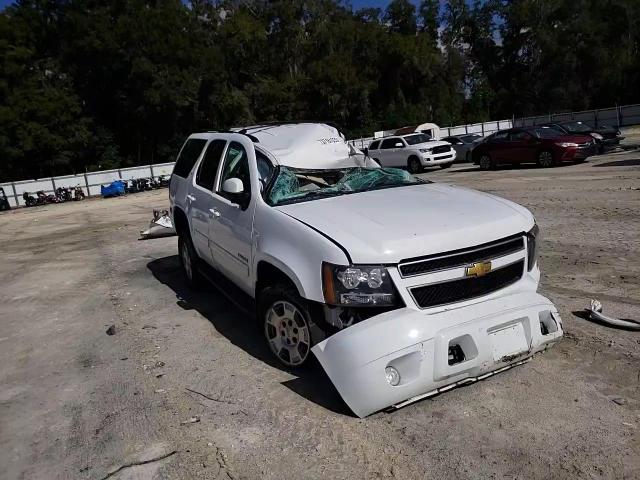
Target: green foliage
87, 84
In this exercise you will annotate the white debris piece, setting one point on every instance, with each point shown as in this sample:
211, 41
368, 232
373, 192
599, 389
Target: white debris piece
595, 313
160, 226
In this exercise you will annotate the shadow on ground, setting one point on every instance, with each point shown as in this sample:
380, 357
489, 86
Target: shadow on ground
630, 162
241, 329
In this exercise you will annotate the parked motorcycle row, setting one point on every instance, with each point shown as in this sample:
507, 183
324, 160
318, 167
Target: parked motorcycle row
61, 195
122, 187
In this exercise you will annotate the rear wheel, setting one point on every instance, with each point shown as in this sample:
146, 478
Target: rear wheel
485, 162
414, 165
286, 323
545, 159
189, 261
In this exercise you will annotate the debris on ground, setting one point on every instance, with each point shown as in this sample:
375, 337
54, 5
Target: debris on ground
595, 313
160, 226
619, 401
111, 330
194, 419
139, 462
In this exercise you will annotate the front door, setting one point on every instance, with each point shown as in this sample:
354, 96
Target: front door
230, 232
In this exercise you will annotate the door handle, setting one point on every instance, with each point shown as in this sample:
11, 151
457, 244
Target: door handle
214, 213
191, 198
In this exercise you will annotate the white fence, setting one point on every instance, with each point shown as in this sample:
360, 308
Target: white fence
90, 181
618, 116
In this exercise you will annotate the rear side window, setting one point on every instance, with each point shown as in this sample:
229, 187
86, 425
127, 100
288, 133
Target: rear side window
188, 156
209, 165
374, 145
389, 143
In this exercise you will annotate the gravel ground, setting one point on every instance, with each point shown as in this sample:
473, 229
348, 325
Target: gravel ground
78, 403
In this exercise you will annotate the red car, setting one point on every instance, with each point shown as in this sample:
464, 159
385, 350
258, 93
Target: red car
545, 146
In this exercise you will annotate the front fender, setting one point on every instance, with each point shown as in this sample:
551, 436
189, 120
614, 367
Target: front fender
294, 248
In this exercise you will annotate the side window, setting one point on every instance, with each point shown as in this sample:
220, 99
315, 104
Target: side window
374, 145
500, 136
236, 165
389, 143
519, 135
209, 166
188, 156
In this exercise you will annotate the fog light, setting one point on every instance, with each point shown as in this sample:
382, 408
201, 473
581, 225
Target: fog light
392, 375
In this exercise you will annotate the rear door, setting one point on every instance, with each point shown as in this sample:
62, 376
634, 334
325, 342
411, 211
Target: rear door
517, 149
179, 185
231, 228
498, 146
201, 198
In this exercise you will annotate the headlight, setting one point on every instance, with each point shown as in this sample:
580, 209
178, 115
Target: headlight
357, 285
567, 144
532, 247
425, 150
597, 136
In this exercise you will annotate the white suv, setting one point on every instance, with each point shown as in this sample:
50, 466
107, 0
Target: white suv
400, 287
414, 151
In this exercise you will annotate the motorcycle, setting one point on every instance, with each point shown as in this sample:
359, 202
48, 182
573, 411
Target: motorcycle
63, 194
78, 193
153, 183
164, 180
29, 200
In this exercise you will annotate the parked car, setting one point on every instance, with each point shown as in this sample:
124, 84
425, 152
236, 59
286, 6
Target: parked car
414, 151
463, 145
604, 136
545, 146
399, 286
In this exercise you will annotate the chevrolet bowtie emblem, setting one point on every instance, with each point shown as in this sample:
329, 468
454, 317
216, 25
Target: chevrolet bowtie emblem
478, 269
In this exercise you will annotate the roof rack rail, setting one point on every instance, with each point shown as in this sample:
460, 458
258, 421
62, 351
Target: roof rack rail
241, 132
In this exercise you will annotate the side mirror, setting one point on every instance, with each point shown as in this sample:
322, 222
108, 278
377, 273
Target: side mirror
233, 186
399, 145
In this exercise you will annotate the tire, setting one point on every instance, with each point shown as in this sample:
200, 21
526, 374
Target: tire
545, 159
414, 165
189, 261
286, 325
485, 162
445, 165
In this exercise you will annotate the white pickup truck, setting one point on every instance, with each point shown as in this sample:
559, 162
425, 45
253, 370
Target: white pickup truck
401, 288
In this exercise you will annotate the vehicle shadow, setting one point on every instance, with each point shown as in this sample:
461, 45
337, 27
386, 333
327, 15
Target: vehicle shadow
241, 329
630, 162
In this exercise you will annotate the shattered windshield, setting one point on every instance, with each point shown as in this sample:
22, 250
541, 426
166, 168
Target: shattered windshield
293, 185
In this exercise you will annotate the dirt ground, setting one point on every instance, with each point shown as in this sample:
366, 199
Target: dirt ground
78, 403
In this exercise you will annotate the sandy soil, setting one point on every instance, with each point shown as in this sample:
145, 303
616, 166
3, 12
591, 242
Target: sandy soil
77, 403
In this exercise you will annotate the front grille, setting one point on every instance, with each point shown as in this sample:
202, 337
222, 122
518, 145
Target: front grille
441, 149
459, 258
467, 288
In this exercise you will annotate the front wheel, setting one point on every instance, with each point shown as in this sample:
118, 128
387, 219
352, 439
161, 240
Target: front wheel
286, 324
545, 159
414, 165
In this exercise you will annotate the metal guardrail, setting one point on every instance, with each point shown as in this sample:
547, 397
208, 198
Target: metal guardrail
620, 116
90, 182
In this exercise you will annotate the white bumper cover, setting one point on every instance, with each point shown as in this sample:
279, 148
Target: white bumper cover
492, 334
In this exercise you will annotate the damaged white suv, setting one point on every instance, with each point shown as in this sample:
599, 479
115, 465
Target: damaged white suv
402, 288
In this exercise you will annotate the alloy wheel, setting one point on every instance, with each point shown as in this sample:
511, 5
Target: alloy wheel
546, 159
287, 333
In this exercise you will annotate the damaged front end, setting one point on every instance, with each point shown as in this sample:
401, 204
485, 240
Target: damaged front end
404, 355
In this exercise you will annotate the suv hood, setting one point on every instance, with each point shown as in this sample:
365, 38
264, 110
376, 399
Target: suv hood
431, 144
389, 225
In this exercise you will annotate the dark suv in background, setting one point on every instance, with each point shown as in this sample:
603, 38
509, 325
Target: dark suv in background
604, 136
543, 145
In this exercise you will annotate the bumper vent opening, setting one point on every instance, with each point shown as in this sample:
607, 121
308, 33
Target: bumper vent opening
456, 354
547, 323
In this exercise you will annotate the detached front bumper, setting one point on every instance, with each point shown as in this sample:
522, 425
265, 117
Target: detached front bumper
492, 335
